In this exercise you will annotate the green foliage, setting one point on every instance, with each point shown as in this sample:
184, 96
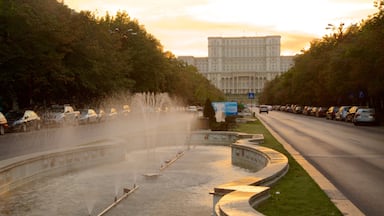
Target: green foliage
336, 69
51, 54
209, 111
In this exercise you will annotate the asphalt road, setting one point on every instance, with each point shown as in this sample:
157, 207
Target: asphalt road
351, 157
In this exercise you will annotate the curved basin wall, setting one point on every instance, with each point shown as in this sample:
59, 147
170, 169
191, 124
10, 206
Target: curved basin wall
241, 197
17, 171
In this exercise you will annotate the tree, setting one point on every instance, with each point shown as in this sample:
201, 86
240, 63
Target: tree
52, 54
209, 111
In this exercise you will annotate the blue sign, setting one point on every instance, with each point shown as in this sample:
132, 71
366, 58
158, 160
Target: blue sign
229, 108
251, 95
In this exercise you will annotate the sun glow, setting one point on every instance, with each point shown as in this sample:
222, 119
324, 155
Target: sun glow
184, 26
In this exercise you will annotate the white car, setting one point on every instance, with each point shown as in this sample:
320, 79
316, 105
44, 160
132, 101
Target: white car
364, 115
192, 108
263, 108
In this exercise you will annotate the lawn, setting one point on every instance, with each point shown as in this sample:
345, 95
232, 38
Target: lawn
296, 193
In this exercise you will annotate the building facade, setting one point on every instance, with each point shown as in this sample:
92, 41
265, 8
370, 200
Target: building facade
240, 65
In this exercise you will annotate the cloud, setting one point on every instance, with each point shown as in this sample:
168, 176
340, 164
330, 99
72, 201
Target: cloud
183, 27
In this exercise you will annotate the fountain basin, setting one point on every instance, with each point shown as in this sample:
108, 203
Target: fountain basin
21, 170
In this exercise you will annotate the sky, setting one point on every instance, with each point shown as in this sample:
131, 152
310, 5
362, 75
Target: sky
183, 26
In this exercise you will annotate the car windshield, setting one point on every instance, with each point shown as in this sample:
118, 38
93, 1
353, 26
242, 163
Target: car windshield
84, 112
57, 109
367, 111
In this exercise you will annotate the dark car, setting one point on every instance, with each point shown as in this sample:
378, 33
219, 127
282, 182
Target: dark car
331, 112
321, 111
3, 124
23, 120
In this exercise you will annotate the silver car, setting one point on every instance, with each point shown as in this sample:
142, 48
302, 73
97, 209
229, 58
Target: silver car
263, 108
365, 115
341, 114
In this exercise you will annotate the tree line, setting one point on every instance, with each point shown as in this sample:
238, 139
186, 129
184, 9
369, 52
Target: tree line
345, 67
51, 54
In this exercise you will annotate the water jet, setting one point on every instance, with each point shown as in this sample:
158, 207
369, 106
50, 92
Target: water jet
126, 193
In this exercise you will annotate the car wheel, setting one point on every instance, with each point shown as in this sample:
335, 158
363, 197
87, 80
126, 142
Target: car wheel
2, 130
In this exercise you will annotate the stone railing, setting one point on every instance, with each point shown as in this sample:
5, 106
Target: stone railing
20, 170
241, 197
224, 138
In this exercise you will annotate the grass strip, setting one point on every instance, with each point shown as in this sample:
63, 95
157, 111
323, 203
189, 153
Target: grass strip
296, 193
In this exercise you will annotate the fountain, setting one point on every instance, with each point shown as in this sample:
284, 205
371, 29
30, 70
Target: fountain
154, 141
148, 106
220, 114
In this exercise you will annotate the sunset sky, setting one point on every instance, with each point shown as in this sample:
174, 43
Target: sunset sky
183, 26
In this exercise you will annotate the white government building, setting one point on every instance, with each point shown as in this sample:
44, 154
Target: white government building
241, 65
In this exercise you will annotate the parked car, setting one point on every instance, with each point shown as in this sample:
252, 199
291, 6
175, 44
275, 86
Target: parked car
263, 108
364, 116
321, 111
3, 124
351, 113
313, 111
331, 112
298, 109
88, 116
342, 113
112, 114
288, 108
23, 120
61, 115
101, 115
126, 110
307, 110
192, 109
